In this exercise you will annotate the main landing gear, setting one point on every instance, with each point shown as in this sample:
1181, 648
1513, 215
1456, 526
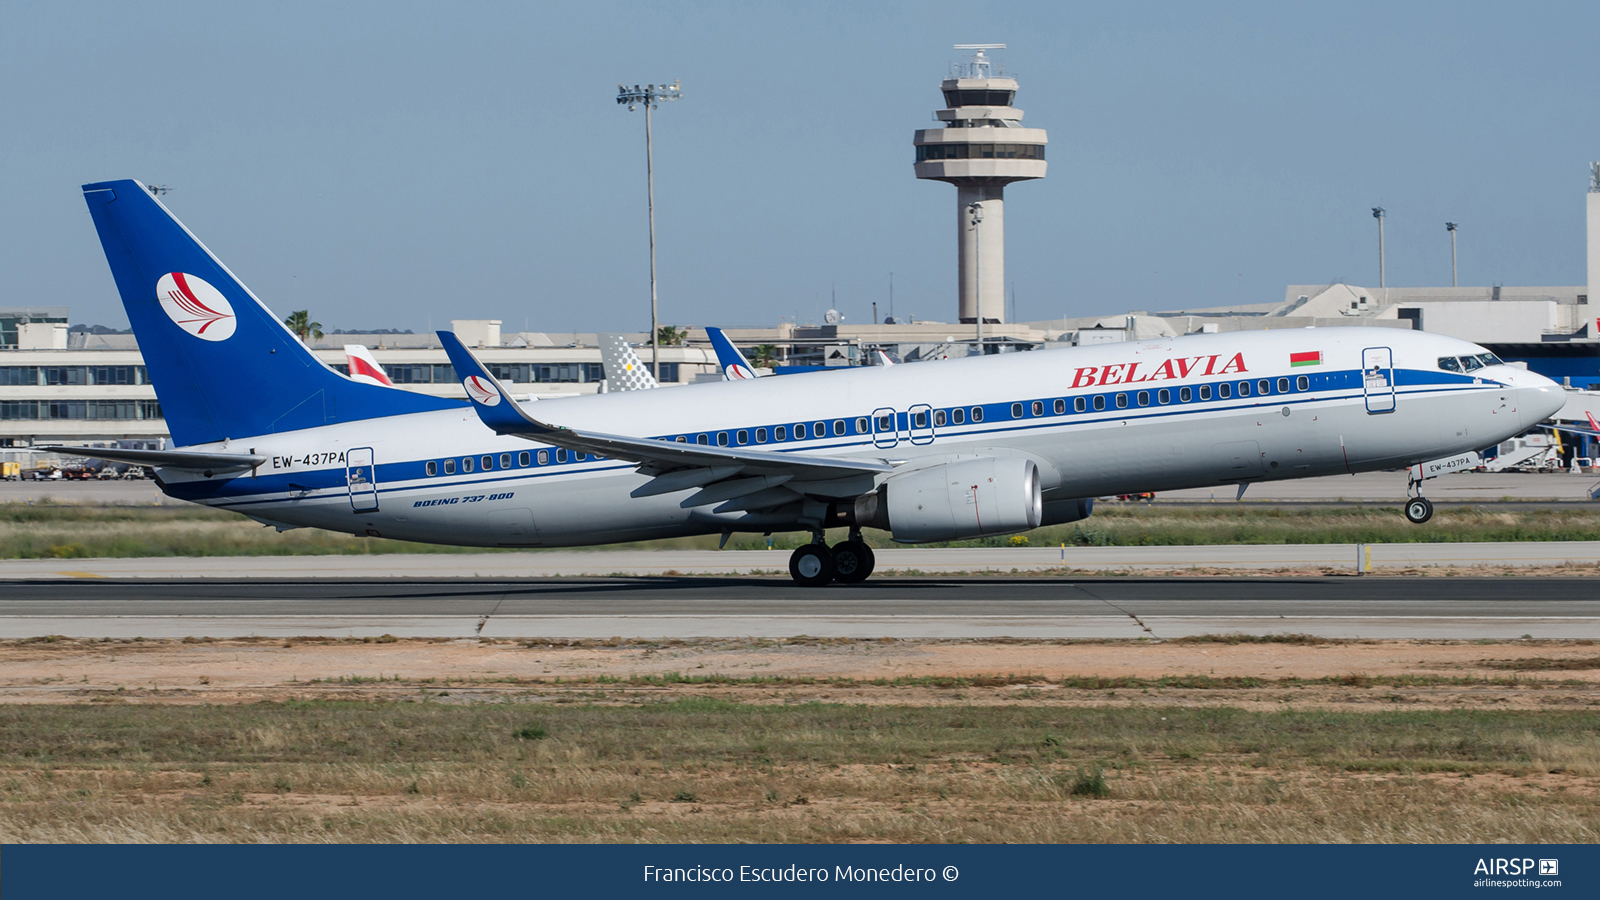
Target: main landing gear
848, 562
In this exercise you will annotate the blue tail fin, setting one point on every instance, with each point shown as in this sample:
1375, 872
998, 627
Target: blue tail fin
222, 364
734, 366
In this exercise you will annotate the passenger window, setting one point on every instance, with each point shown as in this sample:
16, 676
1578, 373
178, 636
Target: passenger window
1244, 389
449, 467
1122, 401
1283, 385
578, 457
1471, 363
1205, 392
885, 424
977, 414
743, 437
682, 439
544, 457
1144, 398
761, 435
799, 432
863, 426
958, 415
523, 458
488, 463
1302, 383
505, 460
701, 439
433, 467
1060, 406
1184, 395
1264, 387
781, 432
1016, 410
920, 420
1224, 391
938, 418
1079, 404
561, 456
722, 439
1449, 364
1038, 407
1163, 396
839, 428
466, 464
1099, 401
819, 429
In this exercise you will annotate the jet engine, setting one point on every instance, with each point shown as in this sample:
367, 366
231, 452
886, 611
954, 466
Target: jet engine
963, 499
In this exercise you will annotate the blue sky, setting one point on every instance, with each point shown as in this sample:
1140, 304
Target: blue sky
395, 165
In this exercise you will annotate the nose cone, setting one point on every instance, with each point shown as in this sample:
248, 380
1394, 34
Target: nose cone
1538, 398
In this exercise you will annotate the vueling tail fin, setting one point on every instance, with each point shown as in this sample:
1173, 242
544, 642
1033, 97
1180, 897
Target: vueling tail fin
624, 370
222, 364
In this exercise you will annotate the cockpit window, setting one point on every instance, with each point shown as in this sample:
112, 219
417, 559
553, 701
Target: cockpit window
1471, 363
1449, 364
1489, 359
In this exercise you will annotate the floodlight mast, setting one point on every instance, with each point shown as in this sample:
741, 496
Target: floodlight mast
650, 95
1378, 213
1451, 227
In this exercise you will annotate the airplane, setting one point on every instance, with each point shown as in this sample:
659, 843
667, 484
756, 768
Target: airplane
736, 368
957, 449
1592, 431
358, 359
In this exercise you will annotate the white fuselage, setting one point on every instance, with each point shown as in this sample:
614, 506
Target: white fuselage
443, 477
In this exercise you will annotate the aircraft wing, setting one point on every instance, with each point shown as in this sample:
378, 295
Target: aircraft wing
655, 457
1592, 431
193, 460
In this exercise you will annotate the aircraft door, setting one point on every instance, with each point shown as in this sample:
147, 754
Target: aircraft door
885, 428
919, 421
1377, 379
361, 474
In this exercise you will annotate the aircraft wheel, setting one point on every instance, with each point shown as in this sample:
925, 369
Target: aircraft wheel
811, 565
1418, 510
852, 562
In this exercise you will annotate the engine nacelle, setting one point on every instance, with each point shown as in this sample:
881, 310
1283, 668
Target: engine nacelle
964, 499
1060, 512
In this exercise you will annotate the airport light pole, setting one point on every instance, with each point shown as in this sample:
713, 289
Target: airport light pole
1451, 227
975, 219
649, 96
1378, 213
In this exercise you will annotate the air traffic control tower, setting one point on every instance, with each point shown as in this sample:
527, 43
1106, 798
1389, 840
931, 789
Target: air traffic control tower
981, 149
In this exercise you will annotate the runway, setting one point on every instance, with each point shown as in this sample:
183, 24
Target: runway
659, 608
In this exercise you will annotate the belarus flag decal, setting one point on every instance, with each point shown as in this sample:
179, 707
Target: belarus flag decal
1314, 358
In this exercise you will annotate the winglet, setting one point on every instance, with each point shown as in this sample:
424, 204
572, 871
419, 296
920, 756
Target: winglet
734, 366
489, 397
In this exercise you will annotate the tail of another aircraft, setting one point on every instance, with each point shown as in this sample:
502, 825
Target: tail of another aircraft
624, 370
734, 366
222, 364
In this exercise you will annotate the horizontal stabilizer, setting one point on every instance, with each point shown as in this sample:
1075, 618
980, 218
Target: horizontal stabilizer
194, 460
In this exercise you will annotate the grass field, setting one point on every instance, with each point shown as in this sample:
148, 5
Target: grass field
71, 531
703, 769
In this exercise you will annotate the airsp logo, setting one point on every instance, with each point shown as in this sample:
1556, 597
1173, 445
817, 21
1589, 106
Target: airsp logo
195, 306
481, 390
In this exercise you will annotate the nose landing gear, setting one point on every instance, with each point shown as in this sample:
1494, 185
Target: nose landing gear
1418, 510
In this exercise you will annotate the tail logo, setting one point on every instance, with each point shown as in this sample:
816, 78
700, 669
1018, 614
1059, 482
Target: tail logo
195, 306
480, 390
736, 372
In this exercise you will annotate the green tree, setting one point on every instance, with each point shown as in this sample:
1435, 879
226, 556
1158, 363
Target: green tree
671, 335
765, 356
300, 323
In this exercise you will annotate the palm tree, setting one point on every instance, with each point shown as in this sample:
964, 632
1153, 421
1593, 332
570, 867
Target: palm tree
300, 323
671, 335
765, 356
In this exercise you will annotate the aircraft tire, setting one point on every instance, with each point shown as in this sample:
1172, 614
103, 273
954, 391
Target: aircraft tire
811, 565
1418, 510
852, 562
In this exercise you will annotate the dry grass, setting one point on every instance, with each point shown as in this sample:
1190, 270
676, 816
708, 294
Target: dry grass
700, 769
